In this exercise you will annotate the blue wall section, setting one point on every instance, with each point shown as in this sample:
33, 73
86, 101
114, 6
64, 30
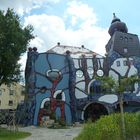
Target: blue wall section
39, 99
41, 65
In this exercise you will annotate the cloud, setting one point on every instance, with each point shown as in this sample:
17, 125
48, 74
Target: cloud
51, 29
81, 11
25, 6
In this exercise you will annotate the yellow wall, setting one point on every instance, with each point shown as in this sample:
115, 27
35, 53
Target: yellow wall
16, 97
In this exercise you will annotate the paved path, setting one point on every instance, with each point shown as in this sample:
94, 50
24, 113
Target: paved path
51, 134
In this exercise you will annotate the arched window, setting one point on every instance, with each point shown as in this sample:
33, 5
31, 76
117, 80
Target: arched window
90, 70
59, 96
47, 106
95, 87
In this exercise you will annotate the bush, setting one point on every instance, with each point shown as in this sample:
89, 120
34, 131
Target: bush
132, 124
109, 128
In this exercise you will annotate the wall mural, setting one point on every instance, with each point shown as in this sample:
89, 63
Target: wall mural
65, 88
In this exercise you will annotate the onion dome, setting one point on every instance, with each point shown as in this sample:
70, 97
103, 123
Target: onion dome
117, 25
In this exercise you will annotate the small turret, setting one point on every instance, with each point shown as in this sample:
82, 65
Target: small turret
121, 43
117, 25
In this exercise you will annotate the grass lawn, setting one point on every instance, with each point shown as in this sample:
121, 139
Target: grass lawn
9, 135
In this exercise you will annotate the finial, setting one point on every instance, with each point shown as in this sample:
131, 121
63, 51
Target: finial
114, 15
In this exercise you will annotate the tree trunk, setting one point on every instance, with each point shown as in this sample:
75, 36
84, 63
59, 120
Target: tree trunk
122, 117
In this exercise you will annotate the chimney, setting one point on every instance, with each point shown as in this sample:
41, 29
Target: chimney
58, 43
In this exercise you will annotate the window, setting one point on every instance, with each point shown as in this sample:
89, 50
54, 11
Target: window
125, 62
11, 92
131, 39
118, 63
0, 102
121, 38
125, 50
100, 73
79, 73
90, 70
95, 87
59, 96
23, 92
10, 102
47, 106
9, 85
126, 39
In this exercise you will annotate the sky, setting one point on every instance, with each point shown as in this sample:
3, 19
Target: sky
73, 22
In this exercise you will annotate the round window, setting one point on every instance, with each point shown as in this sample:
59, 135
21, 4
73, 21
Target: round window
79, 73
100, 72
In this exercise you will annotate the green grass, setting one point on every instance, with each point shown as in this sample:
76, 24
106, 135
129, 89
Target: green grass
10, 135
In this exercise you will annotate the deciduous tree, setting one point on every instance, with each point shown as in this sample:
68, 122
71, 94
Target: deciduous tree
14, 39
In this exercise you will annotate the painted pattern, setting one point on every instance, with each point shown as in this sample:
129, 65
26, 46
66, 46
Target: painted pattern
59, 86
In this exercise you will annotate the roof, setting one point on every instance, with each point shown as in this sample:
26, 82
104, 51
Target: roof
76, 52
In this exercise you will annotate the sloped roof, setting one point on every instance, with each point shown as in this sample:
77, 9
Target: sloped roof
76, 52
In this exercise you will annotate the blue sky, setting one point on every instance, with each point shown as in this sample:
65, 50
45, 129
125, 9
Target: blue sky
74, 22
127, 10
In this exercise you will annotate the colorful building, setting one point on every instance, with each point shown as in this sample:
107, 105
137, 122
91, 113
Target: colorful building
62, 81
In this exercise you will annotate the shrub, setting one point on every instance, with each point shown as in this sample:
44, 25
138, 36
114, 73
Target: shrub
132, 126
109, 128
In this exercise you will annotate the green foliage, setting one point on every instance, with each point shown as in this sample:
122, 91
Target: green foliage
124, 84
109, 128
10, 135
13, 42
132, 124
107, 83
119, 87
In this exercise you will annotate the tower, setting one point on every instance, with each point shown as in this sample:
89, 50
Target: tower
121, 42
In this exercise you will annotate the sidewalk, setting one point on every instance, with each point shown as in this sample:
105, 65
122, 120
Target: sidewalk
39, 133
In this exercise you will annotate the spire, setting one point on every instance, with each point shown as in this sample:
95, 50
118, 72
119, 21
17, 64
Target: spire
115, 18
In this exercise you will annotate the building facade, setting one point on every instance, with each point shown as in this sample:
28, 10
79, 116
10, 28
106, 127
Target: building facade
11, 95
62, 81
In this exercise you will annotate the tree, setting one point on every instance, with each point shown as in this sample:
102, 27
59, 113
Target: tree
119, 87
13, 42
